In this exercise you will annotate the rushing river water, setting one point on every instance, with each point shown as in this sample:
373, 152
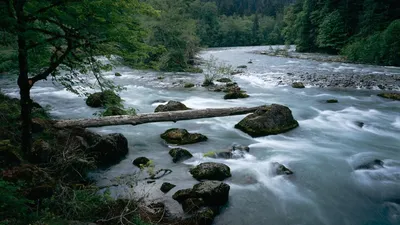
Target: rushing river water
322, 152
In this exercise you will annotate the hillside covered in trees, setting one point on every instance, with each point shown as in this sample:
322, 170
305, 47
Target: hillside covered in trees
366, 31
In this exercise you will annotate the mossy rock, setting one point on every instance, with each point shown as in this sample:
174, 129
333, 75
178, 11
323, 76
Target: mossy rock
205, 216
298, 85
171, 106
211, 171
141, 162
332, 101
214, 193
166, 187
393, 96
101, 99
118, 74
192, 205
268, 120
182, 137
242, 67
189, 85
180, 154
224, 80
109, 150
182, 195
236, 95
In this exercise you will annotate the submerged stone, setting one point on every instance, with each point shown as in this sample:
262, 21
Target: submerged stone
281, 169
332, 101
141, 162
371, 165
393, 96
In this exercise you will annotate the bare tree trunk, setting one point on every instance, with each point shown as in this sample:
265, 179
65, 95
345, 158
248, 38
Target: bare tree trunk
155, 117
23, 80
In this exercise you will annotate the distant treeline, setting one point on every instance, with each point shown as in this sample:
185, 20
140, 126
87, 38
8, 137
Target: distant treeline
366, 31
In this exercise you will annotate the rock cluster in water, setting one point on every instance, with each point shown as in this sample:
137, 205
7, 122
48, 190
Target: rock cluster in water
393, 96
274, 119
204, 200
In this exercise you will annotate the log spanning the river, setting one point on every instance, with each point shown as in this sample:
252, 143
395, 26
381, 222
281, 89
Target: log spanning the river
155, 117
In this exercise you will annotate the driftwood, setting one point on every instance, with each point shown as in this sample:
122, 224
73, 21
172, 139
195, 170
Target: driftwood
155, 117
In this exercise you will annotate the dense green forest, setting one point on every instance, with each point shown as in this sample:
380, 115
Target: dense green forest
366, 31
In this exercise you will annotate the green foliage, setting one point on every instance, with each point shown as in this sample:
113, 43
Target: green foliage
379, 48
209, 154
364, 31
13, 206
214, 69
332, 32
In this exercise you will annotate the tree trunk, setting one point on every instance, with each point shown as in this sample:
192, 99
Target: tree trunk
155, 117
23, 81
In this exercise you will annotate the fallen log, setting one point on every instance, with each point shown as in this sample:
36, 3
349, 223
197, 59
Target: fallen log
155, 117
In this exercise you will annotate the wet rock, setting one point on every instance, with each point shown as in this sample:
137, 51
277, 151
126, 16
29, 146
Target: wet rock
171, 106
189, 85
101, 99
204, 216
269, 120
242, 67
359, 124
214, 193
141, 162
298, 85
236, 95
109, 150
158, 101
182, 195
281, 169
182, 137
191, 205
118, 74
180, 154
224, 80
371, 165
332, 101
211, 171
240, 148
41, 152
235, 72
221, 154
166, 187
393, 96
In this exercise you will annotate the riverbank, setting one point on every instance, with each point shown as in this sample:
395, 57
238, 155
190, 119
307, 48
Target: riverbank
339, 79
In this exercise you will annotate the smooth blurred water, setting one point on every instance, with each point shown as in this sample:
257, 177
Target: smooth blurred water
322, 152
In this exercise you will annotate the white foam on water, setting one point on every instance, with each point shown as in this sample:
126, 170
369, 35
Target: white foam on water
202, 103
396, 123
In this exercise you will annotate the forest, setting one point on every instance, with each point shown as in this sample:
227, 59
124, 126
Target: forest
84, 46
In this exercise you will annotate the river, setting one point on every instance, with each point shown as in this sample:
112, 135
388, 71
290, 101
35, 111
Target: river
322, 152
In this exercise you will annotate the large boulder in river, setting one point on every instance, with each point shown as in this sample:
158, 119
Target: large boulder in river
211, 171
101, 99
180, 154
110, 149
236, 95
393, 96
171, 106
141, 162
182, 137
268, 120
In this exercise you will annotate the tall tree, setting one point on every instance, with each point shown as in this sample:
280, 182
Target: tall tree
67, 35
